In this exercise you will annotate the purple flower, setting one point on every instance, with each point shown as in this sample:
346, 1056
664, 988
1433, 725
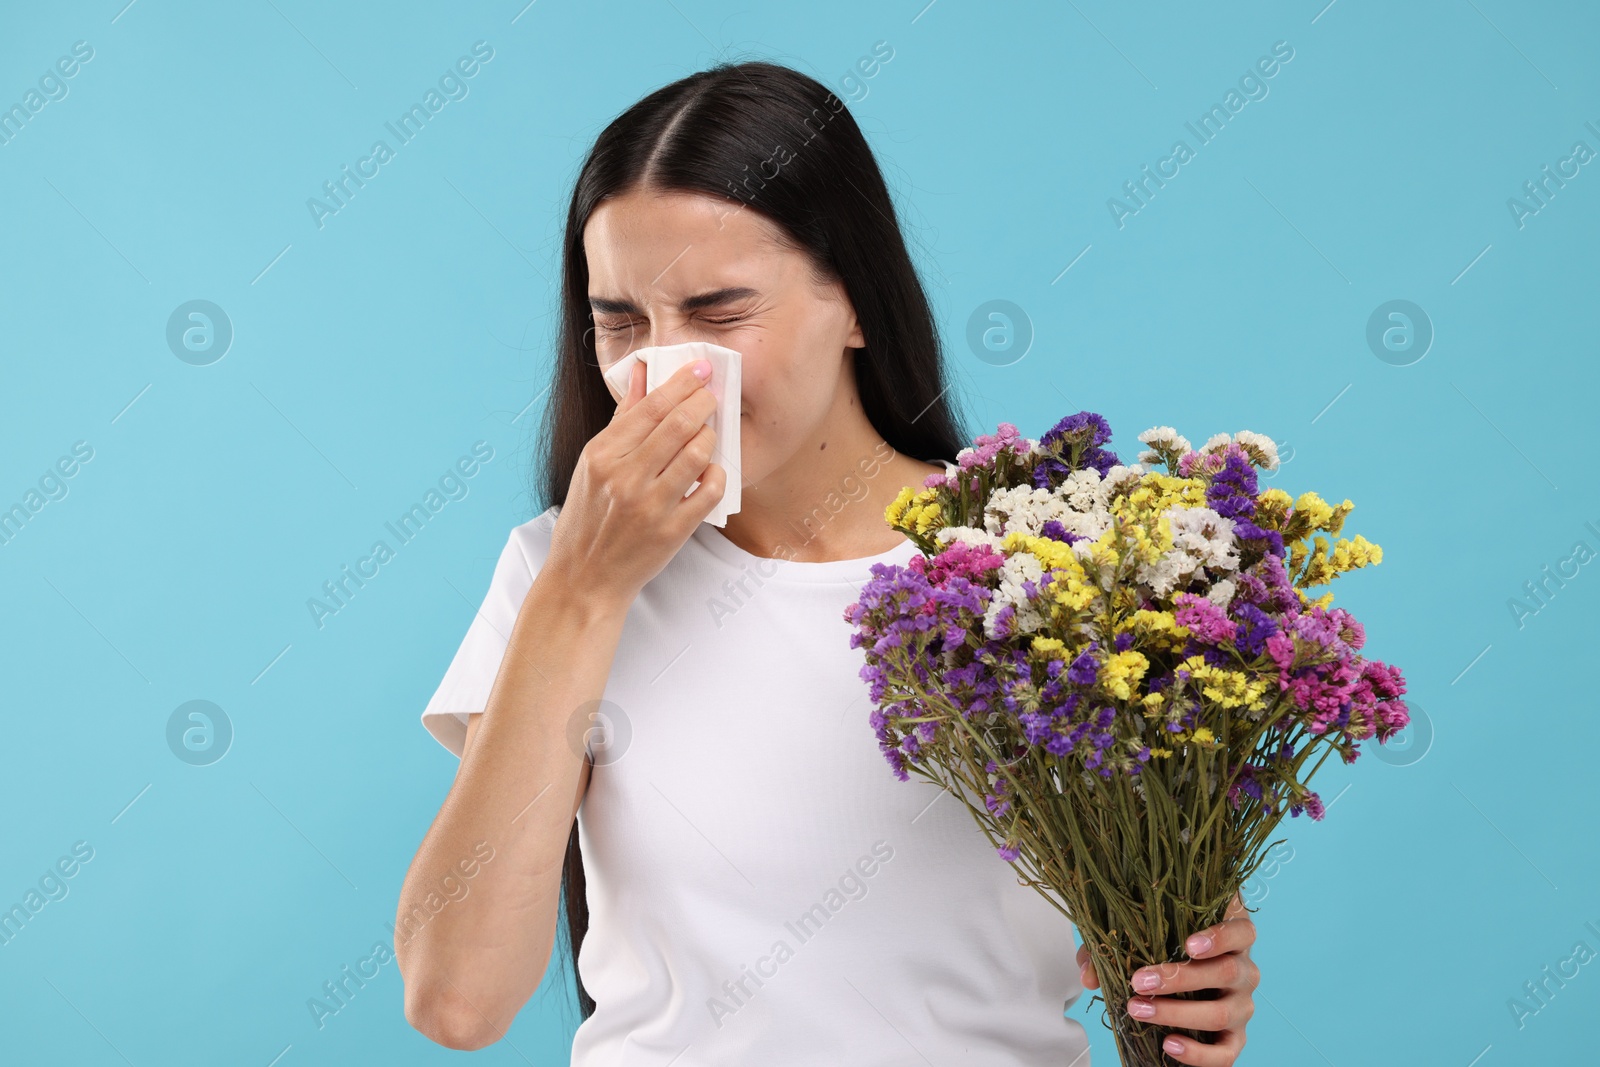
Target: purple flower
1101, 460
1058, 744
1050, 473
1054, 530
1084, 669
1074, 444
1232, 492
1084, 428
1255, 626
1245, 530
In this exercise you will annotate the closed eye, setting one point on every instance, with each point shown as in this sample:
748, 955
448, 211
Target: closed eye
619, 327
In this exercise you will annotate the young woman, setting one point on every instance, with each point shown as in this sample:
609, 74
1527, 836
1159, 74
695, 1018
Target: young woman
745, 881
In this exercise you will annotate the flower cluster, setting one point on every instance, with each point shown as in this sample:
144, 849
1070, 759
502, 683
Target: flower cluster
1074, 613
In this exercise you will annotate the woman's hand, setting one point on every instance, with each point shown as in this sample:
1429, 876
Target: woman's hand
626, 515
1219, 958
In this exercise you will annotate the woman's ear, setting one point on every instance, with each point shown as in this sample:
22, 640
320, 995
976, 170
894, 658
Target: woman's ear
855, 339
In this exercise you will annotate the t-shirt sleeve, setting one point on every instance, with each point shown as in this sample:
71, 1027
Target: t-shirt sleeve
471, 674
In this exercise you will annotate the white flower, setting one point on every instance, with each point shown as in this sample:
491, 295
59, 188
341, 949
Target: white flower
968, 534
1083, 490
1089, 528
1200, 539
1119, 477
1164, 437
1149, 455
1018, 509
1216, 443
1259, 443
1163, 576
1221, 594
1021, 567
1078, 504
1205, 535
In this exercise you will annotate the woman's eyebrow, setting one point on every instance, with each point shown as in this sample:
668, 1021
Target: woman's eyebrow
607, 305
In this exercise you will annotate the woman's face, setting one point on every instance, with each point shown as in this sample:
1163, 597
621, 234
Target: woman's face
665, 268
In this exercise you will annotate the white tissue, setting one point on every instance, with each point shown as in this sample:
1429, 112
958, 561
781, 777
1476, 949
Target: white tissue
660, 362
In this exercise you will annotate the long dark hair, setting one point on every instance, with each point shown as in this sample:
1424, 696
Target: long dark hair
778, 142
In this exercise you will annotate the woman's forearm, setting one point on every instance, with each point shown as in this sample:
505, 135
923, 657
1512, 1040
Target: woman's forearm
472, 963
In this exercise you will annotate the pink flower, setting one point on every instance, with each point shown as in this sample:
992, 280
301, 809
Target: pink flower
988, 446
1352, 632
1204, 619
959, 559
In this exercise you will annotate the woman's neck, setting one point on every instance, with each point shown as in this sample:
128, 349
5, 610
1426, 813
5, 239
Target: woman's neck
827, 502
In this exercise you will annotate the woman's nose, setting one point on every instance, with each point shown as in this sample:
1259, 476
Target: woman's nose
662, 335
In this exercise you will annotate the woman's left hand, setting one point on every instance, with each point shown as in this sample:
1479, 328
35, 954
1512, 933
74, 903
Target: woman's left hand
1219, 958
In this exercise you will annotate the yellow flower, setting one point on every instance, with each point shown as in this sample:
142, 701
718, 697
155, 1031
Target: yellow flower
897, 507
1158, 628
1323, 563
1315, 509
1352, 555
1156, 493
1311, 514
1047, 645
1124, 600
1272, 507
1148, 547
915, 512
1336, 523
1322, 601
1138, 517
1228, 688
1199, 735
1121, 671
1069, 586
1103, 551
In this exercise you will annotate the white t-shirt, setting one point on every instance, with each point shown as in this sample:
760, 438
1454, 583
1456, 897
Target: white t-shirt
761, 888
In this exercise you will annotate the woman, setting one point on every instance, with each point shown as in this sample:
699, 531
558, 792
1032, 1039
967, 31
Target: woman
745, 881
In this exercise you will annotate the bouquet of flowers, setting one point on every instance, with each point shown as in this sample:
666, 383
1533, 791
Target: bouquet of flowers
1120, 672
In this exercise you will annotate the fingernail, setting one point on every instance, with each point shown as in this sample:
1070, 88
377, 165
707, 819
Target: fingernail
702, 369
1141, 1009
1199, 943
1173, 1045
1145, 981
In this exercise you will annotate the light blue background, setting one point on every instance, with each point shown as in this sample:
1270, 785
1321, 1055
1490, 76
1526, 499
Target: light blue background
371, 353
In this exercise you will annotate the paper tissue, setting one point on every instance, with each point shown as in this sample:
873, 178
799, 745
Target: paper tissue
660, 362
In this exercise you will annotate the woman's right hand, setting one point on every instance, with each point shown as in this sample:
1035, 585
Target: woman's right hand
626, 514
